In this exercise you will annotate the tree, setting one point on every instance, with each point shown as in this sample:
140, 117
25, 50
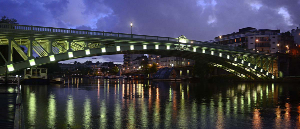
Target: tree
5, 19
114, 70
153, 68
201, 69
145, 67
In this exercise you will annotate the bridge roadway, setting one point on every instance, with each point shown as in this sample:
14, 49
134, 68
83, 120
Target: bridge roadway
56, 44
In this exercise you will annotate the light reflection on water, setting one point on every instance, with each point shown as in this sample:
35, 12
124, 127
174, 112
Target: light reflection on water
122, 104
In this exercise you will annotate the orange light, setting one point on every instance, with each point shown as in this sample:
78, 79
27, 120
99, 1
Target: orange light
257, 40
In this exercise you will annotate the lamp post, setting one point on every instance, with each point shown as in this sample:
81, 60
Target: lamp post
131, 28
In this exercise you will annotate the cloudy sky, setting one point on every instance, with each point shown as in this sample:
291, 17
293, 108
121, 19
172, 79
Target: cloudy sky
196, 19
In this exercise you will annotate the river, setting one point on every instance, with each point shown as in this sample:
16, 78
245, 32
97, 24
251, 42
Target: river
103, 103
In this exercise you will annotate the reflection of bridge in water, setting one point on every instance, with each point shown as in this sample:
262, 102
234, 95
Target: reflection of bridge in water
56, 44
161, 105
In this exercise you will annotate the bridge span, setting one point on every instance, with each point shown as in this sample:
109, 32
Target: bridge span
57, 44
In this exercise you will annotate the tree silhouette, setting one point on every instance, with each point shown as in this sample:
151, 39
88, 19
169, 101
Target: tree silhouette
5, 19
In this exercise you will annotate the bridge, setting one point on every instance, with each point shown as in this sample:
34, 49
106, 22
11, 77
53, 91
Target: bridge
57, 44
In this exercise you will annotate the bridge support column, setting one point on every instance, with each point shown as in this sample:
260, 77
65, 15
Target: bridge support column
49, 47
29, 51
86, 45
272, 66
69, 45
10, 50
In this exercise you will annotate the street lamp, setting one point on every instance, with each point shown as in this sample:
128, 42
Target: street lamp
131, 28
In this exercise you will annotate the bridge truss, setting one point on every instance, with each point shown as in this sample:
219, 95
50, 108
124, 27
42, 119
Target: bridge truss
56, 44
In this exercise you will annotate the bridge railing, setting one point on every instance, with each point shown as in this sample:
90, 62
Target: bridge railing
52, 30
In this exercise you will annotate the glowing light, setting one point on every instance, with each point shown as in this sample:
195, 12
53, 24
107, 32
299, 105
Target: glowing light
52, 58
242, 61
273, 77
235, 59
220, 54
203, 50
256, 40
255, 67
249, 64
87, 52
131, 24
118, 48
267, 73
168, 47
278, 44
228, 57
131, 47
70, 54
220, 36
156, 46
103, 49
261, 70
194, 49
212, 52
182, 40
32, 62
144, 46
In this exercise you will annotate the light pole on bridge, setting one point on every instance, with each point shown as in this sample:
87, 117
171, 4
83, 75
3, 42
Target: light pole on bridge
131, 28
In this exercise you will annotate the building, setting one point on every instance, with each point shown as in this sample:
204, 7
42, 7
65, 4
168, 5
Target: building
175, 62
296, 34
128, 58
262, 40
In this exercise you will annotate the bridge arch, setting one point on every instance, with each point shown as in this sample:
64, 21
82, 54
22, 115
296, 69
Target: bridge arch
56, 44
216, 58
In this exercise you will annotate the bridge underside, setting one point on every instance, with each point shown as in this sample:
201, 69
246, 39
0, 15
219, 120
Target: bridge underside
57, 44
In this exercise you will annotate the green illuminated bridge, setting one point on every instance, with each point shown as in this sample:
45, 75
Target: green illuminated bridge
57, 44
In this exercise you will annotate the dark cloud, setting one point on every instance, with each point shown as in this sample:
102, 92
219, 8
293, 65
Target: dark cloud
196, 19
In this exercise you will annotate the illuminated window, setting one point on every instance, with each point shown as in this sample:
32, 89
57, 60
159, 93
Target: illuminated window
234, 40
156, 46
144, 46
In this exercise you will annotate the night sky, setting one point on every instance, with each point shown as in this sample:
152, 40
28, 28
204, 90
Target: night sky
196, 19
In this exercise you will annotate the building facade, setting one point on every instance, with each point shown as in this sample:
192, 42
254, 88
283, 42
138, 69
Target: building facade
260, 40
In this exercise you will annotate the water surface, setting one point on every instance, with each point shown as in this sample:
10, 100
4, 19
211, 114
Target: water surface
99, 103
